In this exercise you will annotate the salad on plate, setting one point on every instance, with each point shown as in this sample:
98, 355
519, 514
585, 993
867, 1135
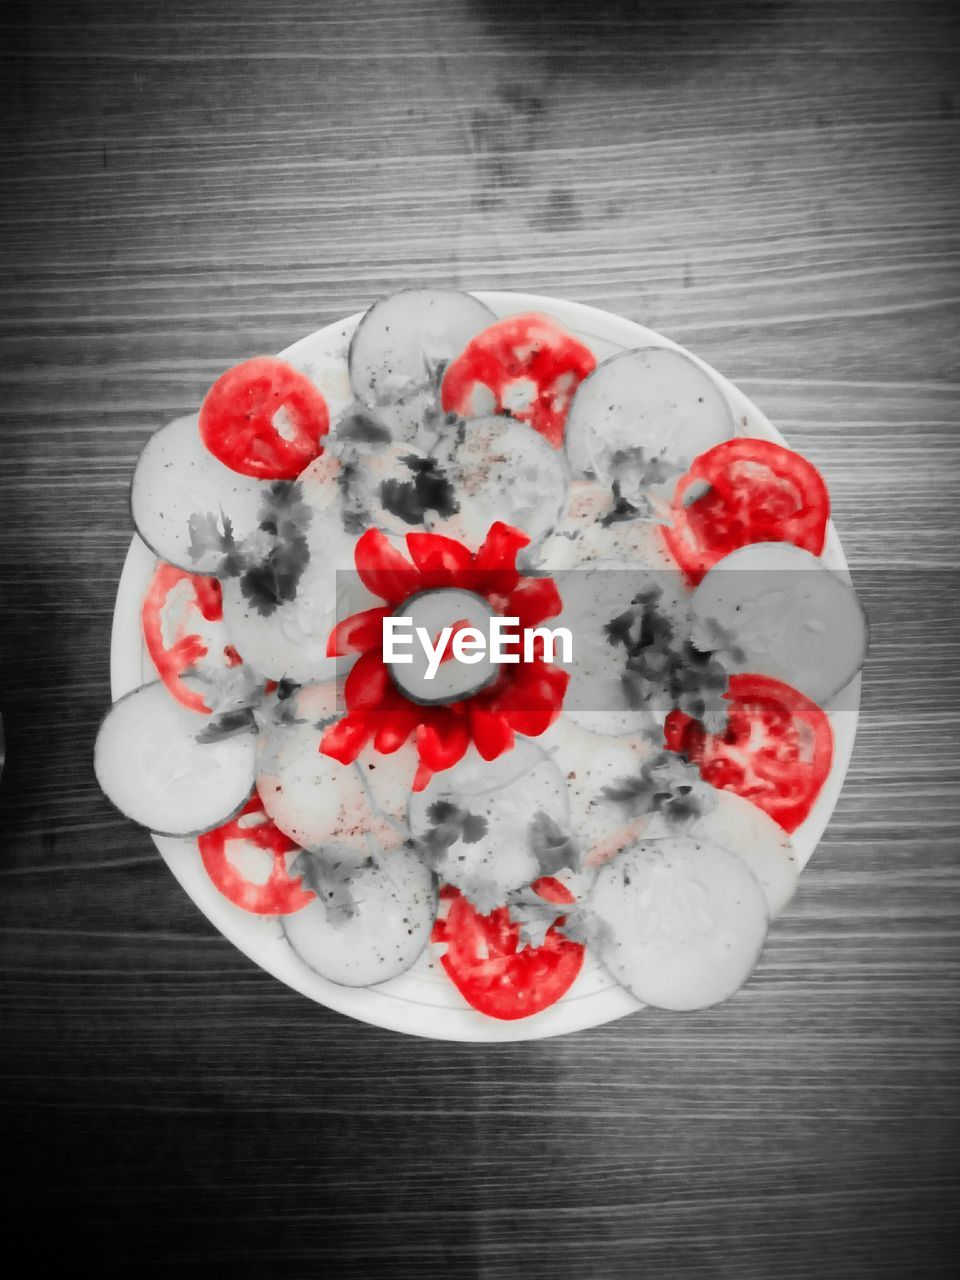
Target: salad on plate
623, 809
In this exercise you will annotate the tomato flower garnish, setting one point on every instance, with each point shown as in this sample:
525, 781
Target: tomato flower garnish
524, 697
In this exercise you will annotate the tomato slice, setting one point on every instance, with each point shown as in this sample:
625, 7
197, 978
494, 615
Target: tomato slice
174, 609
775, 751
264, 418
527, 366
281, 894
756, 491
485, 965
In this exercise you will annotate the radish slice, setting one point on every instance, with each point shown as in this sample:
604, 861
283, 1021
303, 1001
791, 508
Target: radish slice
312, 798
403, 343
790, 616
654, 398
176, 478
435, 611
736, 824
685, 922
499, 470
589, 762
151, 766
395, 901
494, 854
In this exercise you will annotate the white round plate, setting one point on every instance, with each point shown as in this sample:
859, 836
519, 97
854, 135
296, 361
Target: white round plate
423, 1001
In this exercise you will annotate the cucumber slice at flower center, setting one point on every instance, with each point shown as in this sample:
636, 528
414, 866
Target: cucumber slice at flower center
422, 679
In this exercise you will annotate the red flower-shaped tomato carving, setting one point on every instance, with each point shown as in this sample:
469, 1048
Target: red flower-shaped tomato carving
527, 366
523, 697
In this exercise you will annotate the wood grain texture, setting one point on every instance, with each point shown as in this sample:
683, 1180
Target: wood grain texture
775, 185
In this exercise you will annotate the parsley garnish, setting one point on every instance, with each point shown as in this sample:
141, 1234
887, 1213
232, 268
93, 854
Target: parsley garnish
270, 562
429, 490
331, 879
667, 785
672, 662
554, 848
450, 823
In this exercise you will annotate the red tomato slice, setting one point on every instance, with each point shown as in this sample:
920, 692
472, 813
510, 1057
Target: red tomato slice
239, 420
530, 366
281, 894
200, 602
485, 966
757, 492
776, 750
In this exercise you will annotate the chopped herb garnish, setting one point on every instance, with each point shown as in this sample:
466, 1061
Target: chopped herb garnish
553, 847
228, 725
359, 426
331, 879
268, 563
671, 661
429, 490
667, 785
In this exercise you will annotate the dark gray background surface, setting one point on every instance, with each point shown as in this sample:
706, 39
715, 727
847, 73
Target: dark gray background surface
775, 186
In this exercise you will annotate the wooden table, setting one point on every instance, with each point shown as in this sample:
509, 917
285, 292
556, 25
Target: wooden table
772, 184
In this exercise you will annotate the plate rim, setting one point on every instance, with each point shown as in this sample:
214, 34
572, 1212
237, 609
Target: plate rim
261, 940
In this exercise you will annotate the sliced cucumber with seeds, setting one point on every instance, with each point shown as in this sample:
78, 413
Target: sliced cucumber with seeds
444, 613
589, 762
390, 904
151, 764
175, 478
653, 398
594, 597
403, 342
490, 805
396, 488
789, 615
587, 532
312, 798
500, 470
757, 840
683, 922
290, 643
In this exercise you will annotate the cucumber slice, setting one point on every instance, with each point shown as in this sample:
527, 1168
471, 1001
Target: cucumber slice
792, 618
176, 477
395, 901
593, 597
291, 642
654, 398
433, 611
150, 765
496, 801
581, 537
403, 342
737, 825
312, 798
683, 922
589, 762
500, 470
389, 487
